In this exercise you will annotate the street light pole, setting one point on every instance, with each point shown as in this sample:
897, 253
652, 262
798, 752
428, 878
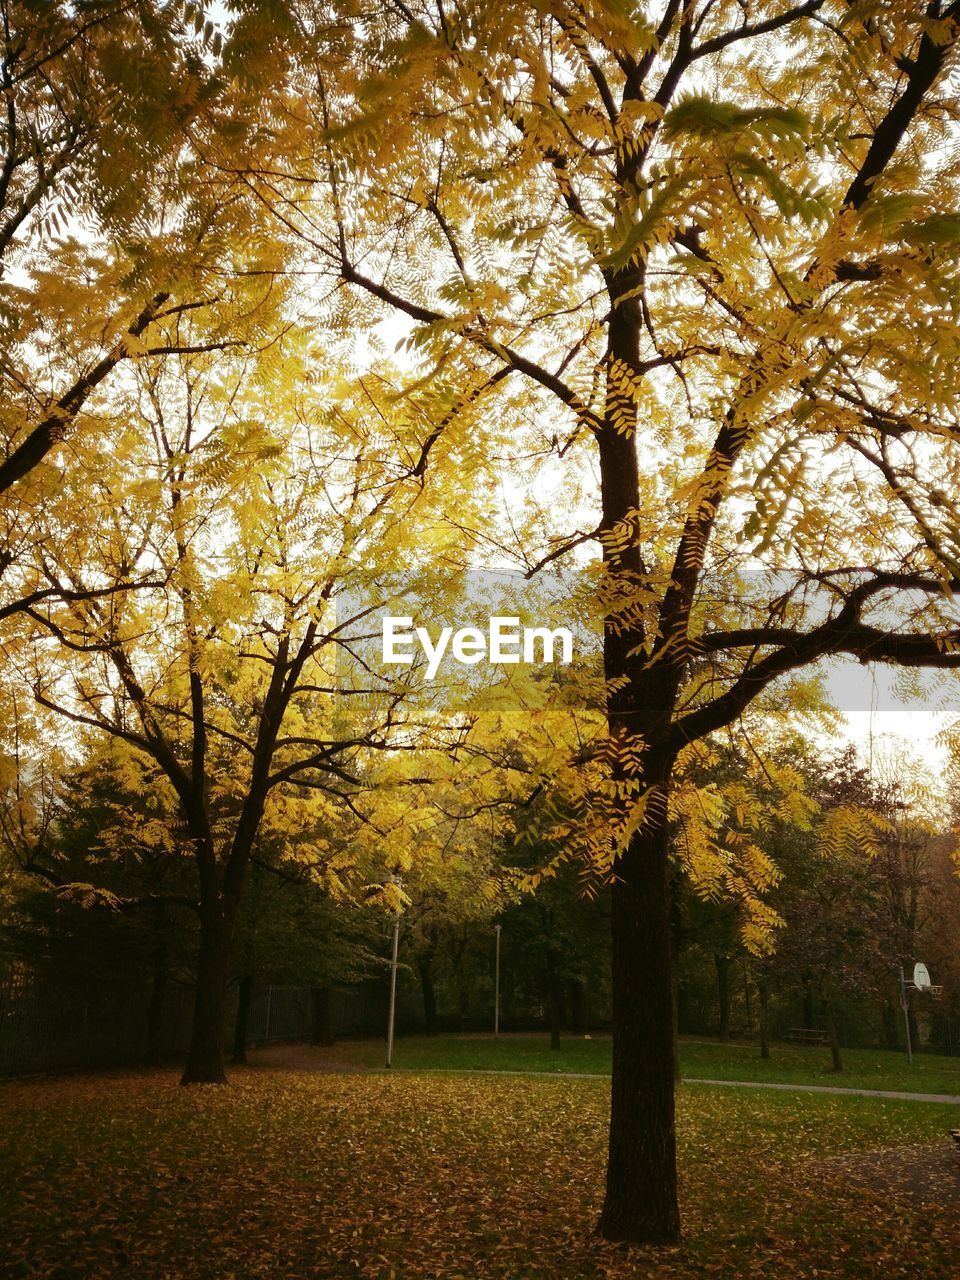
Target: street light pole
393, 981
496, 989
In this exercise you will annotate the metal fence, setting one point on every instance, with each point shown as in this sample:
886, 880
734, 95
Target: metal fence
48, 1026
54, 1025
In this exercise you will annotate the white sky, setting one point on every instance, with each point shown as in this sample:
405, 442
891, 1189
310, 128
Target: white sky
880, 722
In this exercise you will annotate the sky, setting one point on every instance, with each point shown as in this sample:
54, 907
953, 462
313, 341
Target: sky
879, 722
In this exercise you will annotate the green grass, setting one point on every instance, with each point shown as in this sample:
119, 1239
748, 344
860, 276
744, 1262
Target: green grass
863, 1068
289, 1175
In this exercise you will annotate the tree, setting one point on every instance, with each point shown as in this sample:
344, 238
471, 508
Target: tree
557, 938
99, 100
452, 898
905, 866
941, 947
292, 929
855, 888
109, 889
710, 241
687, 248
832, 941
121, 221
222, 674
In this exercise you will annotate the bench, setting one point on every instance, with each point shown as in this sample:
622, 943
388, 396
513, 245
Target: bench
807, 1035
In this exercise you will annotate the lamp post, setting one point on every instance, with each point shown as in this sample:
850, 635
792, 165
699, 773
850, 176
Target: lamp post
496, 988
393, 977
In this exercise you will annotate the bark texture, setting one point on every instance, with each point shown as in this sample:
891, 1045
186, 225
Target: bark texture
641, 1194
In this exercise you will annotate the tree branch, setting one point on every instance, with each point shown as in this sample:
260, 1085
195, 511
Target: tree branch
845, 634
749, 30
887, 136
54, 427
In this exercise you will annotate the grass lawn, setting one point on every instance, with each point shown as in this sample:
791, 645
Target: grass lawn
863, 1068
290, 1174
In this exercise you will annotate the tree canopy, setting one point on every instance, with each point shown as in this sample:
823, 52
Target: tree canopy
305, 297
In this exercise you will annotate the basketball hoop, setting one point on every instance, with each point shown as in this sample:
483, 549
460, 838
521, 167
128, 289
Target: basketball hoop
922, 984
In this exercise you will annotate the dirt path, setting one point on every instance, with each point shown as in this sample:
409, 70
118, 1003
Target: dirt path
908, 1176
302, 1057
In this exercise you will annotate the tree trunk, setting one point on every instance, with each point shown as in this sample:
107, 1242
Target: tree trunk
914, 1027
555, 1002
890, 1026
748, 1003
676, 936
205, 1063
425, 969
807, 1005
764, 1022
244, 993
463, 1002
321, 1017
722, 964
641, 1193
158, 989
832, 1035
640, 1203
577, 1024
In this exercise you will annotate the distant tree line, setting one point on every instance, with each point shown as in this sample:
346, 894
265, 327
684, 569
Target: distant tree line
868, 884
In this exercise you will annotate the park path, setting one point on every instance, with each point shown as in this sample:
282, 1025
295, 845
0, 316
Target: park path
284, 1057
952, 1099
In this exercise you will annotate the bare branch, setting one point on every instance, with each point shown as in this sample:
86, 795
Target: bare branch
749, 30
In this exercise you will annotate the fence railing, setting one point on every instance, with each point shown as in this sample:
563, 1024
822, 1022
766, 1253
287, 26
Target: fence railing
51, 1024
55, 1025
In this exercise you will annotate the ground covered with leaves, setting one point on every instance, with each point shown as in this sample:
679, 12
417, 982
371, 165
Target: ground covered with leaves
288, 1174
